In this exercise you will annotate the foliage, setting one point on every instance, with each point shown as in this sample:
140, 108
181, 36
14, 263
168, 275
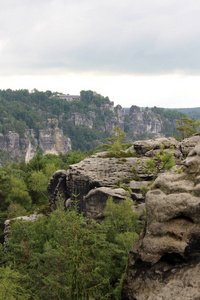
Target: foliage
163, 160
168, 117
121, 219
192, 113
144, 190
19, 193
23, 187
12, 284
117, 147
65, 257
187, 127
21, 110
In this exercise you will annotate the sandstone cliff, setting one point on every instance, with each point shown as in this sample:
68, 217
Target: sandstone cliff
164, 262
95, 177
137, 120
50, 140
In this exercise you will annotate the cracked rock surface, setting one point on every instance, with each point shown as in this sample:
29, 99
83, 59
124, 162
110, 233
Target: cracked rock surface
164, 263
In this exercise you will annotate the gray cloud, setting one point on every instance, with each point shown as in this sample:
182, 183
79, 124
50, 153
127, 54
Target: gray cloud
130, 36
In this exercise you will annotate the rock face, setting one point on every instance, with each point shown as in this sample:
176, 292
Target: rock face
164, 263
95, 177
50, 140
81, 119
137, 120
144, 121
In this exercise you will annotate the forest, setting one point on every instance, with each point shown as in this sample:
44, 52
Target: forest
62, 255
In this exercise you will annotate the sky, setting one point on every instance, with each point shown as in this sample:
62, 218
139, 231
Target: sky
136, 52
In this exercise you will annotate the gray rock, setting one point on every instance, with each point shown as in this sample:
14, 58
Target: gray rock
50, 140
144, 121
188, 144
95, 177
80, 119
144, 147
164, 262
95, 201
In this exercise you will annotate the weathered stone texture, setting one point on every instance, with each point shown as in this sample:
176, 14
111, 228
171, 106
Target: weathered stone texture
164, 262
94, 178
49, 140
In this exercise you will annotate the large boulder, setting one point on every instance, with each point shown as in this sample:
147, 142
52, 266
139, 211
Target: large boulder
96, 178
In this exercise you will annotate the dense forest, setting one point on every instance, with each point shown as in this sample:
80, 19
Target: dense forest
193, 113
62, 255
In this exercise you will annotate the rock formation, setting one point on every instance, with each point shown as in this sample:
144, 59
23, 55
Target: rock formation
164, 263
94, 177
144, 121
137, 120
81, 119
50, 140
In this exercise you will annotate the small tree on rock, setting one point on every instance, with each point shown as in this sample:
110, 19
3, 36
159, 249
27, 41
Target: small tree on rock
187, 127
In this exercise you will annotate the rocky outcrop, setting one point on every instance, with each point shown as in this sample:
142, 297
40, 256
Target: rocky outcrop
137, 120
81, 119
164, 262
53, 141
95, 179
144, 121
98, 172
50, 140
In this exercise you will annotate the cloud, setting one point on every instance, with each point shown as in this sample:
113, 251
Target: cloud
116, 37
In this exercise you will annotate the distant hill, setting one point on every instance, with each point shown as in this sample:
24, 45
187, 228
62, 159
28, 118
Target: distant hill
87, 120
193, 113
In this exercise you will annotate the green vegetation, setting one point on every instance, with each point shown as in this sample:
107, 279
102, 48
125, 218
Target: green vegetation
192, 113
65, 257
62, 255
21, 110
116, 147
23, 187
187, 127
169, 117
163, 160
144, 190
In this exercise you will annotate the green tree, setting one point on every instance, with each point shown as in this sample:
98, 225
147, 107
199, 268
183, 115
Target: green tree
163, 160
116, 141
19, 193
122, 223
12, 284
68, 258
36, 163
38, 187
187, 127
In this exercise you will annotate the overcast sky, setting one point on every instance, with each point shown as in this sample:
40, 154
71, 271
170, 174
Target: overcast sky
136, 52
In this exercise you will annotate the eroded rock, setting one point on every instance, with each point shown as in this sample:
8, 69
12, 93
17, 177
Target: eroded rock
166, 256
